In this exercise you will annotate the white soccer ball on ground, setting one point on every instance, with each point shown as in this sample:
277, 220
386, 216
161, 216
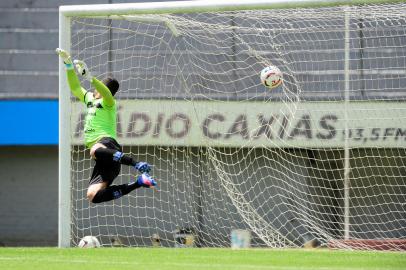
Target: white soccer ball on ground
89, 242
271, 77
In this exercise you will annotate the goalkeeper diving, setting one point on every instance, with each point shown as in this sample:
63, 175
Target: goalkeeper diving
101, 136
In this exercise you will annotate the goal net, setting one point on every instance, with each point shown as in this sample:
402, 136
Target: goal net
319, 161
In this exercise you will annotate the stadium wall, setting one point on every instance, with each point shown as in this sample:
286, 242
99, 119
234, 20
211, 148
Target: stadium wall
28, 172
28, 195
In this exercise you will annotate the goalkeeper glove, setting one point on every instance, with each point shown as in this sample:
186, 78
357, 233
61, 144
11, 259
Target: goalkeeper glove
143, 167
82, 69
64, 55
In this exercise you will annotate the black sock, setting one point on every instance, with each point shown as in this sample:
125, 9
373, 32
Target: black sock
107, 154
114, 192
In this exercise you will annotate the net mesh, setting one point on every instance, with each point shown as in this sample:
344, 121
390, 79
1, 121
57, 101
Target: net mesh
319, 159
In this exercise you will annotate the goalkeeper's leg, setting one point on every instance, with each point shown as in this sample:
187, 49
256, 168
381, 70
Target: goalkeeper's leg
103, 175
108, 156
98, 193
108, 150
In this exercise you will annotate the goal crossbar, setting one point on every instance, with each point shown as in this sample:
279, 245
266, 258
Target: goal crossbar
201, 6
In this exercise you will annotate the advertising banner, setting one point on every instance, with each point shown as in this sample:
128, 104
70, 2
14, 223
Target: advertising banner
255, 124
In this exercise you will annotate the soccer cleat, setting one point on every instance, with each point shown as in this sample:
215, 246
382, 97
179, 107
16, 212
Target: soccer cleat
145, 180
143, 167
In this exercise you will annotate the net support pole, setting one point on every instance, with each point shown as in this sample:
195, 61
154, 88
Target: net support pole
346, 128
64, 197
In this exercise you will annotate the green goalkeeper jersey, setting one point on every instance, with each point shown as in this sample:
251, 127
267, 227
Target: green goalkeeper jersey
100, 120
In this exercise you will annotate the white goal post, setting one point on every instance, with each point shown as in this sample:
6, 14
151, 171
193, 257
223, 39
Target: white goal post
324, 153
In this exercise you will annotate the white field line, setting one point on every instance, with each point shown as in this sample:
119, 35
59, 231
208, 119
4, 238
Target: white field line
163, 264
134, 263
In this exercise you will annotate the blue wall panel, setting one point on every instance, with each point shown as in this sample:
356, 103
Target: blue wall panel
28, 122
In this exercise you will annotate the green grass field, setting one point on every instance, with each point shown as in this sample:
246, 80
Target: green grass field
170, 258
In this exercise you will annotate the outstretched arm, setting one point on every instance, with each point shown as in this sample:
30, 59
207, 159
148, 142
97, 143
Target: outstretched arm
82, 69
104, 91
74, 85
73, 80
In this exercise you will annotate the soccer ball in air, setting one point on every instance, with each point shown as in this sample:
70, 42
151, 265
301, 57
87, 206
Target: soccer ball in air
271, 77
89, 242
